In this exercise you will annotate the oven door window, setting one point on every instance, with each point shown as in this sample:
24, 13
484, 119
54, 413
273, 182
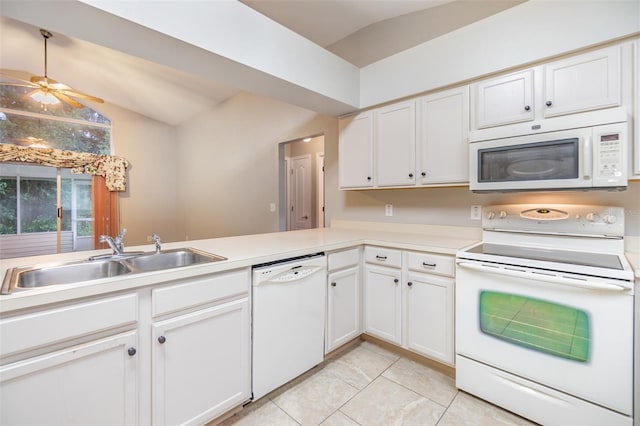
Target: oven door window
543, 326
548, 160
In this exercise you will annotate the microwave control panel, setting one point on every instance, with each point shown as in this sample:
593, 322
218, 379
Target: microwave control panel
610, 156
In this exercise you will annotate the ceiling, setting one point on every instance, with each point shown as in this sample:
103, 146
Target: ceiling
360, 31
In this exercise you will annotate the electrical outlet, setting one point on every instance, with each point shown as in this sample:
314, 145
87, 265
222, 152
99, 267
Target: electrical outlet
388, 209
272, 207
149, 238
476, 212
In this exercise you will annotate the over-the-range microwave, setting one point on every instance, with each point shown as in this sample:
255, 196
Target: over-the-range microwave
582, 158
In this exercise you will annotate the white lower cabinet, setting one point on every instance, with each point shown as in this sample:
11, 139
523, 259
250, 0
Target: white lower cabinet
409, 302
90, 383
343, 298
201, 364
173, 353
382, 296
429, 316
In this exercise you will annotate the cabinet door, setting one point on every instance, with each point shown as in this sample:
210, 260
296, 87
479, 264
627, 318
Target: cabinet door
444, 137
395, 145
383, 303
92, 383
503, 100
429, 314
635, 145
201, 364
582, 83
355, 160
343, 307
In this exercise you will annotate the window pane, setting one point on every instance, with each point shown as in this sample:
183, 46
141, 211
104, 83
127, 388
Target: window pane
31, 131
38, 205
14, 97
8, 206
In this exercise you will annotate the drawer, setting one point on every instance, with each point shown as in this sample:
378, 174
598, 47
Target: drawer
47, 327
343, 259
432, 263
383, 256
199, 291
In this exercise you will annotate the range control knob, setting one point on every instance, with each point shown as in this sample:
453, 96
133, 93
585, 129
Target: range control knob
491, 215
593, 217
610, 219
503, 214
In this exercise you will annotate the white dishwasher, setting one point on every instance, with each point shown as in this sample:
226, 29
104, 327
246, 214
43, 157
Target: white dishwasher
288, 320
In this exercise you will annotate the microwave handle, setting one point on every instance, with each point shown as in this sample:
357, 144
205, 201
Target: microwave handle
587, 167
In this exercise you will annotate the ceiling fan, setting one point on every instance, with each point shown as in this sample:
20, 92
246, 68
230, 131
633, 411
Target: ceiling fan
46, 90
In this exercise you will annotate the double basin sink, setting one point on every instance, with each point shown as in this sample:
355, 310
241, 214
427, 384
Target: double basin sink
102, 267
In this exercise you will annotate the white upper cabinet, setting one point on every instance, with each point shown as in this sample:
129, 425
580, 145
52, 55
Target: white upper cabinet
395, 144
576, 84
503, 100
356, 151
582, 83
634, 170
443, 137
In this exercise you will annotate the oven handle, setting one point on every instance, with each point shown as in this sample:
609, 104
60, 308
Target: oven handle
611, 286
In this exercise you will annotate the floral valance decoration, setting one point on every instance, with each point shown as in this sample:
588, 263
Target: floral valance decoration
111, 167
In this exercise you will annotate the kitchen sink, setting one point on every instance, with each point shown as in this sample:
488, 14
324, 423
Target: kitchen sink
74, 272
169, 259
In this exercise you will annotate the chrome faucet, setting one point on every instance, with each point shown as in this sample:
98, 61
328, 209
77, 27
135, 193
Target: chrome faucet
156, 239
115, 243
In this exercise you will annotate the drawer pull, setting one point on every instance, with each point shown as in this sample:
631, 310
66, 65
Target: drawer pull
381, 257
429, 265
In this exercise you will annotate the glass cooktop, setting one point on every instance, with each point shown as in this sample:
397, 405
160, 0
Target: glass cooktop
599, 260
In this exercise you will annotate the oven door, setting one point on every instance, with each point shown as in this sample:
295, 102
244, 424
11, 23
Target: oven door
545, 161
571, 334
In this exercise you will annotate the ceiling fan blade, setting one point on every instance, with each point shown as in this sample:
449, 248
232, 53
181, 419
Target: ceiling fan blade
66, 99
76, 94
16, 77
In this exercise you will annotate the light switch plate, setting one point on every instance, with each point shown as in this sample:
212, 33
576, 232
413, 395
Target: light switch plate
388, 209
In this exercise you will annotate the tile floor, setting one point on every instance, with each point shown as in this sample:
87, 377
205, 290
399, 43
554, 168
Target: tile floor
369, 385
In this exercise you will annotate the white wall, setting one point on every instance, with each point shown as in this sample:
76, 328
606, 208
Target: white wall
149, 203
227, 163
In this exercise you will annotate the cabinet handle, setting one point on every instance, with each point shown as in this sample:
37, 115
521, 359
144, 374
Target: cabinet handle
549, 103
381, 257
333, 284
131, 351
162, 339
395, 280
410, 175
429, 265
527, 107
423, 174
409, 283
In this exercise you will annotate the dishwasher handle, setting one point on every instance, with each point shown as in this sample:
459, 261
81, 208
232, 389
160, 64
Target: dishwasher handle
296, 273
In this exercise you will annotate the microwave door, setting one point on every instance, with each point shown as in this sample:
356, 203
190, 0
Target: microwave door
529, 166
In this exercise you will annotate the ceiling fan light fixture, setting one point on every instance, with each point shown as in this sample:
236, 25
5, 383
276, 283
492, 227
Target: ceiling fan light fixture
44, 98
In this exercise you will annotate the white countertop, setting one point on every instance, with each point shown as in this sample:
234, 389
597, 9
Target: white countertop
240, 251
634, 261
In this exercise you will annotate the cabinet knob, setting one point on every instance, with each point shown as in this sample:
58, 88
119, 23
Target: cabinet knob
410, 175
409, 283
162, 339
131, 351
368, 177
395, 280
527, 107
549, 103
423, 174
333, 284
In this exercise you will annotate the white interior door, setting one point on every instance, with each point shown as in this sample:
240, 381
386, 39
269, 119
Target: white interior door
300, 193
320, 188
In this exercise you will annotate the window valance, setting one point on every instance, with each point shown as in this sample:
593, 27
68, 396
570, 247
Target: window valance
113, 168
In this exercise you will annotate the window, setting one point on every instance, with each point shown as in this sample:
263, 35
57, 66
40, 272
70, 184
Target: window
32, 197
